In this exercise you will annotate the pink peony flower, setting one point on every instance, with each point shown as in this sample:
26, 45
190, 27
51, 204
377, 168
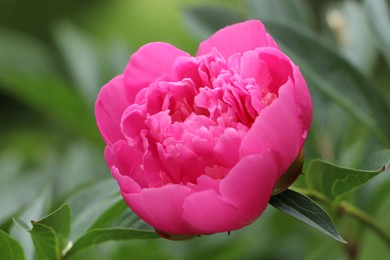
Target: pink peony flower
197, 144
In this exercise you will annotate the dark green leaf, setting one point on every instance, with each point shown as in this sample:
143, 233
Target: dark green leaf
204, 21
328, 72
34, 90
96, 236
9, 248
379, 19
306, 210
335, 181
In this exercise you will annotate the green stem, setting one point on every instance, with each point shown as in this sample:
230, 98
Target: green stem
350, 210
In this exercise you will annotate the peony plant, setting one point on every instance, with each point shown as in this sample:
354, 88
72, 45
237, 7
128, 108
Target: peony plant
198, 145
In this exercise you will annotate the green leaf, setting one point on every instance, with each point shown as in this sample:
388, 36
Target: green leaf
80, 56
50, 234
9, 248
379, 20
45, 241
88, 204
306, 210
333, 76
59, 222
110, 215
204, 21
34, 90
297, 11
19, 52
96, 236
12, 179
335, 181
120, 216
36, 209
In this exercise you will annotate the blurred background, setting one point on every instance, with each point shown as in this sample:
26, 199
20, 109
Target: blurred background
56, 55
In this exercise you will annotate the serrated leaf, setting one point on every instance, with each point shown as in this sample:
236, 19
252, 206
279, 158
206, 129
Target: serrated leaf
10, 248
333, 76
96, 236
304, 209
335, 181
379, 20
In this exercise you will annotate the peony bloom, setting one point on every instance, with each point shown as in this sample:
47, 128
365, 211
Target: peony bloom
197, 144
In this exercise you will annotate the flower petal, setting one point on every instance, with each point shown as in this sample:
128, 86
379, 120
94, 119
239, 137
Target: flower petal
249, 185
237, 38
109, 107
303, 100
207, 212
278, 127
151, 61
161, 207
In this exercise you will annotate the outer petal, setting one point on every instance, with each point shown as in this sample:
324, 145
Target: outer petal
207, 212
303, 99
109, 107
150, 62
161, 207
278, 127
240, 37
243, 195
249, 185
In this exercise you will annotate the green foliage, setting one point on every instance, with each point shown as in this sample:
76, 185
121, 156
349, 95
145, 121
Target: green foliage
99, 235
9, 248
50, 234
335, 181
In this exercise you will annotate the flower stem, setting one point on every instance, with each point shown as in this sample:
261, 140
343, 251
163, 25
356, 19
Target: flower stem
352, 211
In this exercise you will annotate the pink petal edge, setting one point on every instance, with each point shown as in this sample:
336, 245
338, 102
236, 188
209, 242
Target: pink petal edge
229, 40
